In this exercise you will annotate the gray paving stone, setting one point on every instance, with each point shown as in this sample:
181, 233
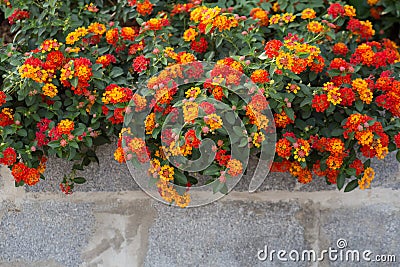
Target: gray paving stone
44, 231
112, 176
386, 172
224, 234
371, 227
273, 181
108, 176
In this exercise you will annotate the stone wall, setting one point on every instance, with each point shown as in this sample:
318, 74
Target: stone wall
110, 222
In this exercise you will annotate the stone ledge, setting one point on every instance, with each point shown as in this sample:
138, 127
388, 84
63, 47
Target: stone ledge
112, 176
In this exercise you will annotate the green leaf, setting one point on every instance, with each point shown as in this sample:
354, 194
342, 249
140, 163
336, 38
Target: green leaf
351, 172
208, 28
290, 113
77, 167
230, 117
351, 186
306, 101
211, 170
79, 180
209, 55
312, 76
180, 178
22, 132
243, 142
224, 189
337, 132
139, 21
367, 163
116, 72
238, 130
101, 140
359, 105
54, 144
301, 124
398, 156
102, 51
218, 42
74, 82
72, 153
340, 181
86, 161
218, 186
192, 180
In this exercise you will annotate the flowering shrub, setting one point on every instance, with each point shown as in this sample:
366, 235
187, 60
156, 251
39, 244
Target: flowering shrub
330, 84
384, 13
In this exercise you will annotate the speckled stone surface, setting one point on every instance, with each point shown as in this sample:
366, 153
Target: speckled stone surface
108, 176
372, 227
112, 176
224, 234
44, 231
